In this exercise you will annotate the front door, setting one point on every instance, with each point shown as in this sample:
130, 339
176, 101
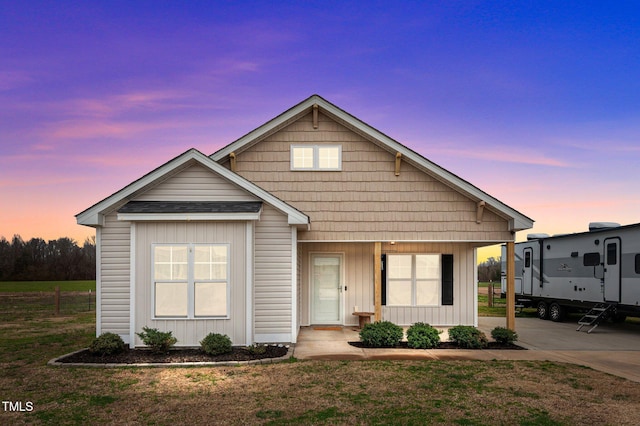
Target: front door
326, 283
612, 270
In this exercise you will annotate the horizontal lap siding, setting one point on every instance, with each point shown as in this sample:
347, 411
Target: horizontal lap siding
273, 274
196, 183
190, 332
115, 275
366, 200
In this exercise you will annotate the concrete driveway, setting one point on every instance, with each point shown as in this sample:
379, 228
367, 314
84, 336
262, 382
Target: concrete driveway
614, 349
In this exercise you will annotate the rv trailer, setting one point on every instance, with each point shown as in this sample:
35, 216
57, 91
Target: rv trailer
596, 271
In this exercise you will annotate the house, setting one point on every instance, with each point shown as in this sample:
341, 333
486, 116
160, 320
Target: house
304, 220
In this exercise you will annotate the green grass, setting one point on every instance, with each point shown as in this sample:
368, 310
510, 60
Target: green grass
303, 392
33, 286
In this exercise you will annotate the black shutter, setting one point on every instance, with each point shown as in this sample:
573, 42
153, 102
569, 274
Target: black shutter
383, 264
447, 279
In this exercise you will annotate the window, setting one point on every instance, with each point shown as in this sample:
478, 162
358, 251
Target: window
612, 254
637, 263
591, 259
191, 280
316, 157
413, 279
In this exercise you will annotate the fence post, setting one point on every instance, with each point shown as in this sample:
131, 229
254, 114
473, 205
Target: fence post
490, 294
57, 299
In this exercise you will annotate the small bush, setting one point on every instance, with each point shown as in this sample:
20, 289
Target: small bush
257, 349
468, 337
504, 335
422, 336
158, 341
381, 334
107, 344
216, 344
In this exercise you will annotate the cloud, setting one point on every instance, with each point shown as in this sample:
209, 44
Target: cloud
13, 79
503, 155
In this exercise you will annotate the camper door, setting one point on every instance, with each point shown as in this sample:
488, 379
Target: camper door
612, 276
527, 271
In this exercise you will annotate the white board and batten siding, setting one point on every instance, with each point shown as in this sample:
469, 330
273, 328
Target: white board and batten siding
273, 278
464, 308
358, 277
190, 332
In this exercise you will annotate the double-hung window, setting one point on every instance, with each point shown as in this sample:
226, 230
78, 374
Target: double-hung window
191, 280
413, 279
316, 157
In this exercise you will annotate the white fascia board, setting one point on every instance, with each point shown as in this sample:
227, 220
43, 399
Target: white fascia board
267, 127
186, 217
93, 215
444, 175
520, 221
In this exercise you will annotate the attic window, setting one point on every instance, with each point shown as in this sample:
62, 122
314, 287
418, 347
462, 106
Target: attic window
316, 157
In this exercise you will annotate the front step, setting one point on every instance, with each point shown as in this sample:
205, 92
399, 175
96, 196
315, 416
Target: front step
595, 316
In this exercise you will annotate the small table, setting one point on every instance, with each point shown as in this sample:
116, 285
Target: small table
363, 318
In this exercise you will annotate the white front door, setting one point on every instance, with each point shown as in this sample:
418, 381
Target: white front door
326, 287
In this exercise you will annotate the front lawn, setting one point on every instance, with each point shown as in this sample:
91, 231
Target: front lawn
309, 392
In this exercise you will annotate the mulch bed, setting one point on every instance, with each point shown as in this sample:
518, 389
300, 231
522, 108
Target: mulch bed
452, 345
143, 356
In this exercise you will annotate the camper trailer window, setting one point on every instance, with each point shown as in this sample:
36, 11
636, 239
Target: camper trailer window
591, 259
527, 259
612, 254
637, 263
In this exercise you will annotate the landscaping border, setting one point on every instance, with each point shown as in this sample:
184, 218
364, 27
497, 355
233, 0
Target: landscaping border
56, 362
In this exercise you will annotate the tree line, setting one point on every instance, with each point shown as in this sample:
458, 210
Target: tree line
489, 270
56, 260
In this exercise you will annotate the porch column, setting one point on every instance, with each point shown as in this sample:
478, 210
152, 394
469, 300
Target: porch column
511, 300
377, 280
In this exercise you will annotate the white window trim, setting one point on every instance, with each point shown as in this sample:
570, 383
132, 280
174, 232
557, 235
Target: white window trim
415, 280
316, 159
190, 282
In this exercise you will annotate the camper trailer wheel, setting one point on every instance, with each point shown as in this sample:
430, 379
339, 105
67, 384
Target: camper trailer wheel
543, 312
556, 312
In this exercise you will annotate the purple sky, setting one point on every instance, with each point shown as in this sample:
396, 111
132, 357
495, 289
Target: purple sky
536, 103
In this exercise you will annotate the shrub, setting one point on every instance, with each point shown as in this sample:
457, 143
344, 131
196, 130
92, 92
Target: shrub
107, 344
422, 336
158, 341
216, 344
504, 335
468, 337
257, 349
381, 334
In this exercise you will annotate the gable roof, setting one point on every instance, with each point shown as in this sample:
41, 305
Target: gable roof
517, 221
93, 216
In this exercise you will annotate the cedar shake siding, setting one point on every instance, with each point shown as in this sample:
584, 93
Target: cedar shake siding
365, 201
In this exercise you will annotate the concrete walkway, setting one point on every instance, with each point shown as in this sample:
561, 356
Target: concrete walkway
613, 349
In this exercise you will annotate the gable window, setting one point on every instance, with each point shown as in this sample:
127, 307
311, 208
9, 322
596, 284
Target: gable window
316, 157
413, 280
191, 280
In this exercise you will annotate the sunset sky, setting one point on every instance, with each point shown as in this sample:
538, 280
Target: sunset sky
536, 103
